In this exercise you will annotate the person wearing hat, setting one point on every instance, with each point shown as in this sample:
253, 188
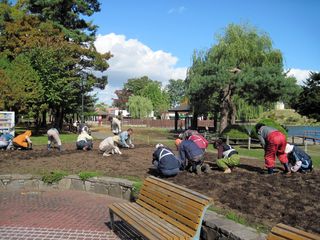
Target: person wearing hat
191, 156
228, 157
165, 161
274, 143
299, 160
109, 146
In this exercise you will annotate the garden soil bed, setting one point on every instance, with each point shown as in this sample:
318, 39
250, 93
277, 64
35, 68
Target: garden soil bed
247, 191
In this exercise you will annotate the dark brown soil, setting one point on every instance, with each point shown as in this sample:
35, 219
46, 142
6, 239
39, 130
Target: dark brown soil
247, 191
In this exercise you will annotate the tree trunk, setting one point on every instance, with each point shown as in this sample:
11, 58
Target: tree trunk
224, 110
44, 119
194, 124
232, 112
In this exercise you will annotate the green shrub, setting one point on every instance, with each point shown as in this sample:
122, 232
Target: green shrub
136, 189
54, 176
86, 175
235, 131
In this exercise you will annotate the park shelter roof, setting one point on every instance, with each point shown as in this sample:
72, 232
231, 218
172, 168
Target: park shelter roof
181, 108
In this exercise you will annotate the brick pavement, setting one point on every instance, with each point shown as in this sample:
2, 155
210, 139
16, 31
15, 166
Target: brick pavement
55, 215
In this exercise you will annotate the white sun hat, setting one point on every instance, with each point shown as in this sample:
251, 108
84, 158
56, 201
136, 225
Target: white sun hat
289, 148
159, 145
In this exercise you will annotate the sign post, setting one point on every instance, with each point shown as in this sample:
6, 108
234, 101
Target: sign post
7, 122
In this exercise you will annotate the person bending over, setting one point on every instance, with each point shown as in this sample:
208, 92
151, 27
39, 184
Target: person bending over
124, 139
191, 156
23, 141
84, 140
54, 138
108, 146
274, 143
299, 160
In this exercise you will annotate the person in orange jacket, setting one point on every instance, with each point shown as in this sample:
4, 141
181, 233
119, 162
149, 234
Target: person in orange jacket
23, 140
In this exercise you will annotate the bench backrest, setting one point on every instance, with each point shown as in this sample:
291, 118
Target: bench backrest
179, 206
285, 232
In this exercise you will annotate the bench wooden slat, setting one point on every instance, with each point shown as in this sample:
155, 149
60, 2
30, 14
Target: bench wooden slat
173, 195
282, 231
164, 210
128, 218
170, 213
140, 223
174, 222
169, 227
183, 208
198, 197
275, 237
297, 231
152, 221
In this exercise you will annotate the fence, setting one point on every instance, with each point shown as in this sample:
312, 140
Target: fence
164, 123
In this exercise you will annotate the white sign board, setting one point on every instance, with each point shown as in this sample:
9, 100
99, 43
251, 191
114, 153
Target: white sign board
7, 122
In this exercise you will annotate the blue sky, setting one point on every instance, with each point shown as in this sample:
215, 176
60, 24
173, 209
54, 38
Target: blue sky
157, 38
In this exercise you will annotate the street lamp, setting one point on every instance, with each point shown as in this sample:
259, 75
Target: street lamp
84, 77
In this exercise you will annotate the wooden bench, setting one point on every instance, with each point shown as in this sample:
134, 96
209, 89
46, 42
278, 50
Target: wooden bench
285, 232
164, 210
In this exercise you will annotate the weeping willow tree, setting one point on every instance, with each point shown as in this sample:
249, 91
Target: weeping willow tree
245, 111
139, 107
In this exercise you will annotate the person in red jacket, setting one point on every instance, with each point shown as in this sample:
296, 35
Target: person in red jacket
274, 143
200, 141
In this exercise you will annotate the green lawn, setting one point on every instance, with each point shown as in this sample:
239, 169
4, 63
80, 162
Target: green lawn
65, 138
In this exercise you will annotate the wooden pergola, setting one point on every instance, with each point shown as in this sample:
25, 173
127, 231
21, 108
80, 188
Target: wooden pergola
182, 108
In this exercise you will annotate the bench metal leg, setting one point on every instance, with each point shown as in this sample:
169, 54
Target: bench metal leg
111, 219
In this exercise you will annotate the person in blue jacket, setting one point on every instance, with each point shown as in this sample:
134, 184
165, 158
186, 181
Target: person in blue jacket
191, 156
299, 160
124, 140
6, 141
165, 161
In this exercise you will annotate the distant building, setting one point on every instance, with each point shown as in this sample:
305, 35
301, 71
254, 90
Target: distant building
279, 106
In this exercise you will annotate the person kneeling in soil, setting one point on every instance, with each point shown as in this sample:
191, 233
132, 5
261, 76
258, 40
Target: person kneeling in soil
84, 140
6, 141
108, 146
124, 139
53, 138
191, 156
299, 160
274, 143
228, 157
165, 161
23, 141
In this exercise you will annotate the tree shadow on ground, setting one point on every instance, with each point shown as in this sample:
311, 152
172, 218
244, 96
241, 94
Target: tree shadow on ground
251, 168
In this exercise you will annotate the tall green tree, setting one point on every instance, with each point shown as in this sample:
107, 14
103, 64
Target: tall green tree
139, 107
158, 97
176, 90
243, 63
20, 86
308, 101
135, 85
59, 44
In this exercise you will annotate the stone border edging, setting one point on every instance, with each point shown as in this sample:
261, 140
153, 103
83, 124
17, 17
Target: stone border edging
115, 187
215, 226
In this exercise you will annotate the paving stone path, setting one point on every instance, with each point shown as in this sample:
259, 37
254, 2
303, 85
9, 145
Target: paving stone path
54, 215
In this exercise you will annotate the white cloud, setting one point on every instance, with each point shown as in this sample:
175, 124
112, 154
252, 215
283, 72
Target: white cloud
300, 74
133, 59
178, 10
